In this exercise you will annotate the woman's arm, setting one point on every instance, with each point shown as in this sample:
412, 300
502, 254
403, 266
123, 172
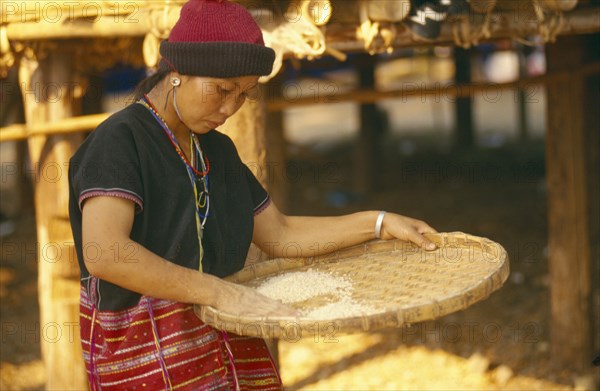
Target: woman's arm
107, 223
293, 236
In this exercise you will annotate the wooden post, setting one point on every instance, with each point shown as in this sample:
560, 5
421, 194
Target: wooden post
521, 96
372, 126
593, 140
11, 111
276, 170
47, 89
463, 107
276, 148
247, 130
571, 173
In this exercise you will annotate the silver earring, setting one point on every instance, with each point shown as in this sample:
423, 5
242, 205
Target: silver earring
175, 81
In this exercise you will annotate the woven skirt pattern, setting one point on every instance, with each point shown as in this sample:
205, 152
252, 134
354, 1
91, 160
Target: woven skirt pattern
167, 348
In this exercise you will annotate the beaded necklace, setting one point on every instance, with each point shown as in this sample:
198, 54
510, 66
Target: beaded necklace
197, 170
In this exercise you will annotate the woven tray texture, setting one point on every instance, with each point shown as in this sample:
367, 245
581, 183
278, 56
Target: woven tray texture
405, 283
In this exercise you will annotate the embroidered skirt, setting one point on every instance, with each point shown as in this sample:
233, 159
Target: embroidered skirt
162, 345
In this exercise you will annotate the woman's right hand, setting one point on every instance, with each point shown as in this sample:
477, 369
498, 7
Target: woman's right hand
237, 299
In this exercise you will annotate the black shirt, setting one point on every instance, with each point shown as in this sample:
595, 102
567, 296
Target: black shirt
129, 155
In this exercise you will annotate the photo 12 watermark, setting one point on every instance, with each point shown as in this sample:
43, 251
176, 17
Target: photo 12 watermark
36, 332
473, 332
59, 11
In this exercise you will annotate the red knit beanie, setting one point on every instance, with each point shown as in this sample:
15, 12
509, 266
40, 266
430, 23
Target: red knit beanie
216, 38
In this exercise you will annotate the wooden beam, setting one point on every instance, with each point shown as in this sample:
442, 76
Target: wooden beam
569, 199
449, 90
63, 126
137, 23
85, 123
340, 36
503, 25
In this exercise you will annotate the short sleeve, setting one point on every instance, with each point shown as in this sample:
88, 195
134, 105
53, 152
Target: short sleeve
108, 164
260, 198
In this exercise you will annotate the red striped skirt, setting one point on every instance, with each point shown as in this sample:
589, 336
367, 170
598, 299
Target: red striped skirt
162, 345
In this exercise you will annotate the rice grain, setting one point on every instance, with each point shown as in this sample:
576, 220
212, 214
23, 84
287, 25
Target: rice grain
295, 287
299, 286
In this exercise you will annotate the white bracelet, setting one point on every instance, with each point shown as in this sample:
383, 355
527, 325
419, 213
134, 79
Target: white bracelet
378, 224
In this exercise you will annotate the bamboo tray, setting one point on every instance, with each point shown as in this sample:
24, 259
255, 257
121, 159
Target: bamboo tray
406, 284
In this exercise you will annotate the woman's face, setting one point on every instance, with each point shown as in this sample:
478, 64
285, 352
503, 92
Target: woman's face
205, 103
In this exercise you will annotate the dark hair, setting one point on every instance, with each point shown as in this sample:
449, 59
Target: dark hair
149, 83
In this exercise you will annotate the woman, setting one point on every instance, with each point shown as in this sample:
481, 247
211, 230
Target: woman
161, 207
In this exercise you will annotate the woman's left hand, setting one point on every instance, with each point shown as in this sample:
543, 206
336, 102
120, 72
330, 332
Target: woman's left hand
396, 226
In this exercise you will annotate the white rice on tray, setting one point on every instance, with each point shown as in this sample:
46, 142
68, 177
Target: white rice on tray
294, 287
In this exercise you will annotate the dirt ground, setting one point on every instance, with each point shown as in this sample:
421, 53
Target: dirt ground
500, 343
